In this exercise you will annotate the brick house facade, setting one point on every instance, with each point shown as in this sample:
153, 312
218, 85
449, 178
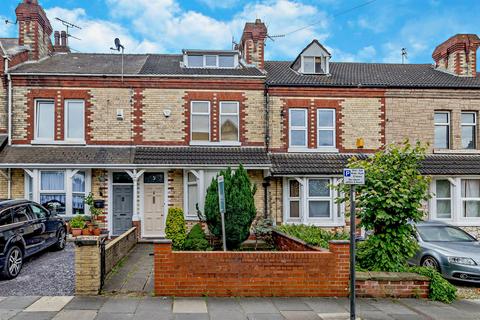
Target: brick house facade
154, 136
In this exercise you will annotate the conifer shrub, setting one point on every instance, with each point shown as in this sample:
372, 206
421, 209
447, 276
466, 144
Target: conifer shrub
196, 239
175, 228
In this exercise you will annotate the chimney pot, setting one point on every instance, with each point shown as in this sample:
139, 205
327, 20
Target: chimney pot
63, 36
57, 38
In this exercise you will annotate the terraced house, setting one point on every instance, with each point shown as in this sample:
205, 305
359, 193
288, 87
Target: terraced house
150, 132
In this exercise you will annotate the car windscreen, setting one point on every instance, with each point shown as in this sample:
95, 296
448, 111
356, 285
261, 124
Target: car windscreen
443, 234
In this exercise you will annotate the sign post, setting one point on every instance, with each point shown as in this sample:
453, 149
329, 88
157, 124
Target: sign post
221, 200
353, 177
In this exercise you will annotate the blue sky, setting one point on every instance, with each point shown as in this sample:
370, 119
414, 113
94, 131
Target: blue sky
373, 33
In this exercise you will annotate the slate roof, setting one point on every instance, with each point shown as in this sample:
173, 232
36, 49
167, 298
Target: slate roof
9, 46
65, 155
379, 75
333, 164
212, 156
134, 64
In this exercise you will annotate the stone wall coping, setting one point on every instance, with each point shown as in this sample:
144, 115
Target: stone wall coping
339, 241
162, 241
89, 240
118, 239
298, 240
389, 276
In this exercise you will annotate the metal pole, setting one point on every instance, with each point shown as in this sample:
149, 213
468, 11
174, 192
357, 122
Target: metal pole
352, 252
224, 237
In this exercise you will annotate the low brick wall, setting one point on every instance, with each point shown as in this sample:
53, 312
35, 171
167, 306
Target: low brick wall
255, 274
391, 285
118, 248
87, 265
284, 242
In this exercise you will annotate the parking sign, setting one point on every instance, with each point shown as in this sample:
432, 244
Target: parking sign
354, 176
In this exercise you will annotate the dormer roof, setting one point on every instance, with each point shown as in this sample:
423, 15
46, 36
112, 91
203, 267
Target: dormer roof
314, 43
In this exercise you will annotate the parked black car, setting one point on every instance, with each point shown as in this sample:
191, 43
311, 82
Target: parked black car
25, 229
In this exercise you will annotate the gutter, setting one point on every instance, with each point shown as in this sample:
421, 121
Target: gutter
123, 166
137, 75
10, 103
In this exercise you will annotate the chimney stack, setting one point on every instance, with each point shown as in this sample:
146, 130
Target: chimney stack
458, 55
252, 43
57, 38
34, 29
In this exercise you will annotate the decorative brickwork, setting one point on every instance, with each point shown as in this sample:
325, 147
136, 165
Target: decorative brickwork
254, 274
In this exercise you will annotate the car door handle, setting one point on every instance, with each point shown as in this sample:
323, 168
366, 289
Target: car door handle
21, 230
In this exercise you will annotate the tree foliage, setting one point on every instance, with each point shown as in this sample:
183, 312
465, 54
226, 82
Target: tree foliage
175, 228
239, 207
392, 197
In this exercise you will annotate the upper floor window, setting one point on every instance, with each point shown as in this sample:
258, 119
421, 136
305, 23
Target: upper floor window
200, 120
211, 60
229, 121
74, 120
314, 64
442, 130
469, 130
326, 127
298, 128
195, 61
45, 120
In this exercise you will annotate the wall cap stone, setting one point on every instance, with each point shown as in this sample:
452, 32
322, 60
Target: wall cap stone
162, 241
390, 276
339, 241
89, 240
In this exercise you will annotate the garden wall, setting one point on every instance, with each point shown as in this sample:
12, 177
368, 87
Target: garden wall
284, 242
118, 248
255, 274
391, 285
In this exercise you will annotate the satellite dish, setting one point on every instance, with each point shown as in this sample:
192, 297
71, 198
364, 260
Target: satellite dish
118, 45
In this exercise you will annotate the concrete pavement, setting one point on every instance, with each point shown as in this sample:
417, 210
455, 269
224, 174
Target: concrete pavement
162, 308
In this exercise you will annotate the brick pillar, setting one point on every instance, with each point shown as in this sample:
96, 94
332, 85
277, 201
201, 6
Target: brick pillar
341, 250
163, 268
87, 265
137, 225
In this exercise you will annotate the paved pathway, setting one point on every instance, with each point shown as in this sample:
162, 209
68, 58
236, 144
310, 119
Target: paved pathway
160, 308
134, 274
46, 273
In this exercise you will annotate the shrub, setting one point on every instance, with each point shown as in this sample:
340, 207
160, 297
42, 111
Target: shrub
440, 289
392, 196
312, 235
175, 228
196, 239
239, 207
262, 229
77, 222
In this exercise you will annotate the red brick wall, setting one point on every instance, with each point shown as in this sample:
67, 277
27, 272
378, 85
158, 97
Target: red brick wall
254, 274
284, 242
392, 289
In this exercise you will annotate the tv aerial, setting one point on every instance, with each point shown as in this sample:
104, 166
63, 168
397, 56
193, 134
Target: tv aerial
68, 26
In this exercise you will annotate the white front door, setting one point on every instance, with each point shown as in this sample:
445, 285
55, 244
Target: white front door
153, 215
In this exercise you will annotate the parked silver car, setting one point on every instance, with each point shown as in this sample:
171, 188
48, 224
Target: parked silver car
450, 250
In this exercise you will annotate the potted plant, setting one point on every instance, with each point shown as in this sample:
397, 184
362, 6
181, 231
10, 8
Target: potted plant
94, 213
77, 224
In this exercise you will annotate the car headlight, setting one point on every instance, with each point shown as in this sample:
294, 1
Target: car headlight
462, 260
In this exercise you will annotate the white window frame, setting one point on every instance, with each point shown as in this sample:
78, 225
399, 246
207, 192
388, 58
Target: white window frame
323, 65
237, 114
37, 124
217, 61
35, 174
205, 61
337, 211
332, 128
474, 125
457, 202
66, 106
328, 198
444, 124
203, 114
297, 128
289, 199
202, 186
435, 199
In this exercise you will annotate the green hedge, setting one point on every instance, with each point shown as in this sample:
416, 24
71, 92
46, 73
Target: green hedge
196, 239
440, 288
312, 235
175, 228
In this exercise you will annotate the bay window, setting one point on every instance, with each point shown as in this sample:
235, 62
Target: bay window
470, 198
44, 120
443, 199
61, 191
196, 183
298, 128
229, 121
311, 201
326, 128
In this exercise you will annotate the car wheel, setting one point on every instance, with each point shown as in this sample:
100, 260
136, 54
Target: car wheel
430, 262
61, 240
13, 262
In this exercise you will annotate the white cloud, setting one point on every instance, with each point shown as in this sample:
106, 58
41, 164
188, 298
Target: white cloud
365, 54
216, 4
96, 35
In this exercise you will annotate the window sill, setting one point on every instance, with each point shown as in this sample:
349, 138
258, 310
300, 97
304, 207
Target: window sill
191, 218
219, 143
56, 142
315, 150
456, 151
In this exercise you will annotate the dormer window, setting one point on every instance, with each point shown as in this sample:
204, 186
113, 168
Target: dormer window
314, 59
210, 59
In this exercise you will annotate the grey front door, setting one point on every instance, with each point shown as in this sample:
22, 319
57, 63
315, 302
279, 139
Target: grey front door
122, 208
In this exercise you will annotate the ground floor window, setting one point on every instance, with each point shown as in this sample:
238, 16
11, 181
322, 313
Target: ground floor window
196, 183
61, 191
456, 199
311, 200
